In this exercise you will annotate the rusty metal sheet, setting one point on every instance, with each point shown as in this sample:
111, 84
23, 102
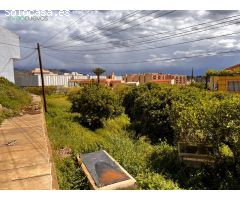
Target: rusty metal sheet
103, 169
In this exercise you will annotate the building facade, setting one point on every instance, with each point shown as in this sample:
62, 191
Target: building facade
109, 80
9, 52
229, 82
156, 78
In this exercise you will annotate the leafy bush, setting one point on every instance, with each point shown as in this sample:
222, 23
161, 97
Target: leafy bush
155, 181
165, 159
95, 103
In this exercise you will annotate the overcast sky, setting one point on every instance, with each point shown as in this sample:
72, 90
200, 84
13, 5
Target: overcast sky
80, 38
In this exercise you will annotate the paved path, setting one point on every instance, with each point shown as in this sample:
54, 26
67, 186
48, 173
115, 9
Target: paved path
26, 164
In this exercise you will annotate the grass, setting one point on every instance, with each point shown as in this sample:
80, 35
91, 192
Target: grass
133, 154
12, 98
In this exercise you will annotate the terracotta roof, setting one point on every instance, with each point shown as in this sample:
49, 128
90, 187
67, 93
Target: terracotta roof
37, 71
233, 68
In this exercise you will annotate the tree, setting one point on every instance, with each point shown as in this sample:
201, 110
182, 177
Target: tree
215, 120
98, 71
149, 108
95, 103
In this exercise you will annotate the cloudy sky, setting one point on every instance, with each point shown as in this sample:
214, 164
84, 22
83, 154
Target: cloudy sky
130, 41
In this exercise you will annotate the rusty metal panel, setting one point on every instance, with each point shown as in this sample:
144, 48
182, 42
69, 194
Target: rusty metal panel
103, 169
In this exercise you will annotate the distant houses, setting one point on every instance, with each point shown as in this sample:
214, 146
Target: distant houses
9, 52
73, 79
159, 78
225, 80
110, 80
50, 78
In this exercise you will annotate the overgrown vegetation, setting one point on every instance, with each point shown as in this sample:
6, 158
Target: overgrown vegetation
191, 115
12, 99
132, 154
144, 141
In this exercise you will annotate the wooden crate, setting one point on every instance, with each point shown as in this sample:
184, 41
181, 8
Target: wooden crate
195, 155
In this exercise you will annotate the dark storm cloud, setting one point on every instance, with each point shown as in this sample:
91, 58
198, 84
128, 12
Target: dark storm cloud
88, 31
213, 14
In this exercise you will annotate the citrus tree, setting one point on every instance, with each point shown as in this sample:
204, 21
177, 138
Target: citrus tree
95, 103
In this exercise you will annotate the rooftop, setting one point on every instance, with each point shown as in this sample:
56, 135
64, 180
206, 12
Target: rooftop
233, 68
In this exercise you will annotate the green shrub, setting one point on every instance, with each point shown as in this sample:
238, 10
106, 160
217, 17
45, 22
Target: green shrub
155, 181
95, 103
165, 159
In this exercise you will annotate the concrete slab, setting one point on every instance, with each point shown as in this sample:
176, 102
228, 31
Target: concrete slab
33, 183
25, 154
25, 172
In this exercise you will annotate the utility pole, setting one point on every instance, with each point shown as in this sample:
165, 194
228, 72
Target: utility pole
42, 78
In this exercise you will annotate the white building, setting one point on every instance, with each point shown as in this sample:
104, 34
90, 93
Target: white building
9, 51
50, 79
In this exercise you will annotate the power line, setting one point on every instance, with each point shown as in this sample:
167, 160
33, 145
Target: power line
159, 47
134, 50
104, 26
67, 27
110, 24
165, 59
94, 39
140, 37
185, 33
5, 65
135, 24
27, 56
160, 39
88, 34
17, 45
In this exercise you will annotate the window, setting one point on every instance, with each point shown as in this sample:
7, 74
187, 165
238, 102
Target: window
234, 86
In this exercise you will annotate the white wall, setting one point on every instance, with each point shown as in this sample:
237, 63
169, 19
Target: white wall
49, 80
58, 80
8, 53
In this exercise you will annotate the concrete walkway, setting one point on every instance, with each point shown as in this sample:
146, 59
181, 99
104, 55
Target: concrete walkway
25, 154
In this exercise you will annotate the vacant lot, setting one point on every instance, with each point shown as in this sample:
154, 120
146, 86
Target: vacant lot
144, 139
69, 138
